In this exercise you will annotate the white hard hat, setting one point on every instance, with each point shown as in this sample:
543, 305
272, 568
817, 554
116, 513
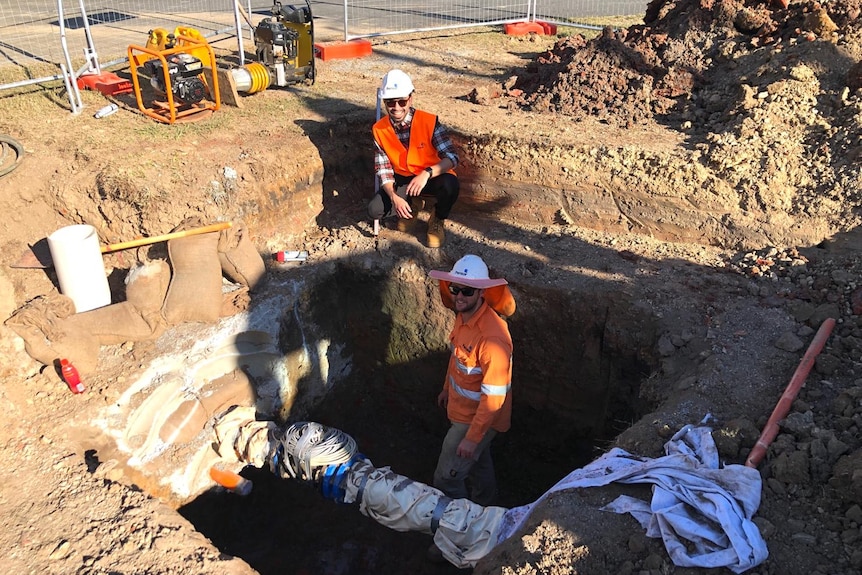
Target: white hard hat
469, 271
396, 84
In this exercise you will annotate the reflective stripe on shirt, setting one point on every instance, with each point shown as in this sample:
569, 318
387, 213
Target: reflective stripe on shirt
466, 370
500, 390
474, 395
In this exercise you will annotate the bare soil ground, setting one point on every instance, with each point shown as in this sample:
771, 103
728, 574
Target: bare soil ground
704, 162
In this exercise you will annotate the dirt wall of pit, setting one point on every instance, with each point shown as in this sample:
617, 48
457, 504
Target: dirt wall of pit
580, 355
664, 191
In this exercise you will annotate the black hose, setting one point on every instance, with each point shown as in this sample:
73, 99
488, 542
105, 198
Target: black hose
7, 143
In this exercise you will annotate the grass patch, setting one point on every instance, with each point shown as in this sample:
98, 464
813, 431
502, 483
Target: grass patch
592, 27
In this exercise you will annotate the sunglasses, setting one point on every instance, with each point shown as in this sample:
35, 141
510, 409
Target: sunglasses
391, 103
467, 291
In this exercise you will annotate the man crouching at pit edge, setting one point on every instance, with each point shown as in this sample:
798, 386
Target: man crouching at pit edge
413, 157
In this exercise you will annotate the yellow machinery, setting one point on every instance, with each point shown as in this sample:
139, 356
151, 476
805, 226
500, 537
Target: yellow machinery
181, 66
284, 50
181, 69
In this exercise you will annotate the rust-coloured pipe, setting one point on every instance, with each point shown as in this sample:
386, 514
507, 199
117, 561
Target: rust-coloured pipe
783, 405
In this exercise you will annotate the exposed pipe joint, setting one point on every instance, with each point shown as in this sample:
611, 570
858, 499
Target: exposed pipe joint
463, 531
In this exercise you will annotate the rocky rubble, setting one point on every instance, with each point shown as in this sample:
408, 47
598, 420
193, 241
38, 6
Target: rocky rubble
765, 105
765, 99
816, 460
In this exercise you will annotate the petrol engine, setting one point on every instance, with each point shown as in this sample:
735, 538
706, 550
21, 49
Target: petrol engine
183, 80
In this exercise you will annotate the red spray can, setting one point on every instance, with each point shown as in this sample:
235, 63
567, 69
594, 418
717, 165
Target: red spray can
70, 376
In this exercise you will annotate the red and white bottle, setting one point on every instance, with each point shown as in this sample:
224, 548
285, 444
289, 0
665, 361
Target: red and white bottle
70, 376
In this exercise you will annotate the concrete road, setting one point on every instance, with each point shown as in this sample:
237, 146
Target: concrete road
30, 31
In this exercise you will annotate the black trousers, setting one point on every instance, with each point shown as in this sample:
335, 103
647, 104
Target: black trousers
444, 188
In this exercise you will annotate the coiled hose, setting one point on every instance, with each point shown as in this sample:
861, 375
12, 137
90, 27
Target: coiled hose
308, 447
8, 146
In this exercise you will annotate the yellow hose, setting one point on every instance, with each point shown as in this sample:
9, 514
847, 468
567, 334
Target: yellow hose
259, 77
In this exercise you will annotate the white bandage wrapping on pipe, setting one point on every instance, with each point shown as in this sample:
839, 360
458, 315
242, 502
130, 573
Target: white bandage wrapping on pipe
465, 532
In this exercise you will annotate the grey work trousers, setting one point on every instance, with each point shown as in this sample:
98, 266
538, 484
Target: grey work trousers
453, 472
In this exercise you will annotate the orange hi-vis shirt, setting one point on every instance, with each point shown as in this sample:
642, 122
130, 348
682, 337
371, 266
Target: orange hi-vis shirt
420, 154
479, 377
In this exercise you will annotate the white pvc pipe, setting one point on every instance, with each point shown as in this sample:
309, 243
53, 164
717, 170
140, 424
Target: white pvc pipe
80, 270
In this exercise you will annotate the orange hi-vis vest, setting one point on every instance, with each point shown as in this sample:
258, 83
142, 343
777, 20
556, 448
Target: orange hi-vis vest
420, 154
479, 377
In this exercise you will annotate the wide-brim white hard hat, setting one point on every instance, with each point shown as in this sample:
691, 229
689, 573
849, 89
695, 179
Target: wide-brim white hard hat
395, 84
469, 271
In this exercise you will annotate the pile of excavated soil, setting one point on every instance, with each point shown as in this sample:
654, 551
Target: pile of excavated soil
765, 98
769, 99
702, 165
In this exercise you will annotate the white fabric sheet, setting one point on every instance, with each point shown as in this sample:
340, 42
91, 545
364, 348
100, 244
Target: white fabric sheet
702, 511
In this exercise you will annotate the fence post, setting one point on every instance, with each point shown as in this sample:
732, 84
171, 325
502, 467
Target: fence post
68, 71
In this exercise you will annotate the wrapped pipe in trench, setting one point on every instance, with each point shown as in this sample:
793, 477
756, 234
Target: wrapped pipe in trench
462, 530
702, 510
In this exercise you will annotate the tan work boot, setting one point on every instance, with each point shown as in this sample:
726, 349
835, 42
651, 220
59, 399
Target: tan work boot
436, 233
407, 226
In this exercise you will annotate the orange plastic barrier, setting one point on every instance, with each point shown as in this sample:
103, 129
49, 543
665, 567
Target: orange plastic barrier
550, 29
107, 83
524, 28
342, 50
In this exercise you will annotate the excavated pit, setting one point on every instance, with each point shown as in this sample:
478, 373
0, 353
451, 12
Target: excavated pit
576, 385
358, 342
355, 338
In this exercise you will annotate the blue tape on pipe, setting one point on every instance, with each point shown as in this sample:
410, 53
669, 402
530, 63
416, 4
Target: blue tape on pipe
326, 483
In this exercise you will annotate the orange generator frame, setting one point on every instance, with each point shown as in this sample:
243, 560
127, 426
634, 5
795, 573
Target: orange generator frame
168, 112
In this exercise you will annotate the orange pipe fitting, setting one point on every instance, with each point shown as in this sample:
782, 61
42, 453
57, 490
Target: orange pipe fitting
230, 480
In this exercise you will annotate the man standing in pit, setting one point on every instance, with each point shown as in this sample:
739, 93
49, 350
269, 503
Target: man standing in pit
477, 390
413, 157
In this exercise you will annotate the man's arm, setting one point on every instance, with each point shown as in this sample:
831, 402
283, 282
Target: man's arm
443, 145
495, 358
383, 167
418, 183
448, 160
